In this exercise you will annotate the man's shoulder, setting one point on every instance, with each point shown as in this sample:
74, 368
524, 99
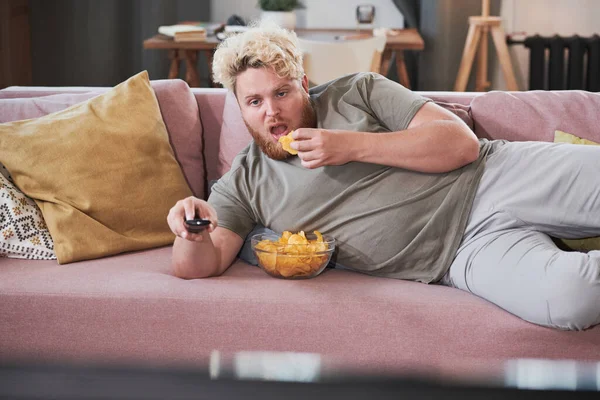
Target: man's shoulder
237, 174
248, 156
354, 89
346, 81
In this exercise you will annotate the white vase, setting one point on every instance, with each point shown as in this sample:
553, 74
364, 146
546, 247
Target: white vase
285, 19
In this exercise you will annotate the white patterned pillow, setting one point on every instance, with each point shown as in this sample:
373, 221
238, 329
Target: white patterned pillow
23, 232
5, 173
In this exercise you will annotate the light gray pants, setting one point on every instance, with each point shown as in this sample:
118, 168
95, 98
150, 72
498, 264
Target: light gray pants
529, 192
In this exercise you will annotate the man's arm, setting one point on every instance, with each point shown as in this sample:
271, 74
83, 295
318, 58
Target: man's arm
204, 254
435, 141
211, 256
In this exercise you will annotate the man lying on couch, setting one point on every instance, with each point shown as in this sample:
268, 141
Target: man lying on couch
405, 187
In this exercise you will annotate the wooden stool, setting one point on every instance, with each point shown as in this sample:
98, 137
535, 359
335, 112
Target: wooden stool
479, 27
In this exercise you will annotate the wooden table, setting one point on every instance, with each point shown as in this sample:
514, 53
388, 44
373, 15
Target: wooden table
398, 40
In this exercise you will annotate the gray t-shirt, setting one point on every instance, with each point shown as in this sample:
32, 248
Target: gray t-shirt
387, 221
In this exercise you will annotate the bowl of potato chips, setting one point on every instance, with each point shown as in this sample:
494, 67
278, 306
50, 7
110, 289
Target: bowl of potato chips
293, 255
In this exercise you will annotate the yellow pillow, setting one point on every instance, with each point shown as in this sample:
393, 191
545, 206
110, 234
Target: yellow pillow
587, 244
563, 137
102, 172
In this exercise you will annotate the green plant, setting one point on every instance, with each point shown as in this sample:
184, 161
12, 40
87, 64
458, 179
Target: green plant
279, 5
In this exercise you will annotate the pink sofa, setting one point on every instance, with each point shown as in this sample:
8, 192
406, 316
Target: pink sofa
130, 309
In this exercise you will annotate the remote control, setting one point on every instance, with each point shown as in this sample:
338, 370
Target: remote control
196, 225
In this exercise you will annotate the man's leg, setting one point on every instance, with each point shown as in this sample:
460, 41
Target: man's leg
548, 187
529, 190
523, 272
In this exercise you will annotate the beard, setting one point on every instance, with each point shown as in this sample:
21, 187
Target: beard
273, 149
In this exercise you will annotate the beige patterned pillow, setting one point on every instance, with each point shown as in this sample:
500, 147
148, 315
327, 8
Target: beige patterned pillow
23, 232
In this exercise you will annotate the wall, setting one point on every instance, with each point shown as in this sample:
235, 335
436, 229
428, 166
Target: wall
545, 17
317, 13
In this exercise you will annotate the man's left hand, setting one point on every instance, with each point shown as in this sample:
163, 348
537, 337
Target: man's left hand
320, 147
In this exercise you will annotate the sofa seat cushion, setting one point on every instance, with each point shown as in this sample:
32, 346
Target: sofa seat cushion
129, 309
535, 115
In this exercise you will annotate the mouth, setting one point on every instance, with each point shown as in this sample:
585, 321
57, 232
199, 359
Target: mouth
278, 131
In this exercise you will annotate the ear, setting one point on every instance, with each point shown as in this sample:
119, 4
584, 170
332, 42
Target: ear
305, 83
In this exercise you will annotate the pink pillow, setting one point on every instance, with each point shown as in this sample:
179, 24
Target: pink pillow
234, 135
35, 107
535, 115
178, 108
461, 110
180, 112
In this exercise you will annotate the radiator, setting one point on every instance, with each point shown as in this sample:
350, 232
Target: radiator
563, 63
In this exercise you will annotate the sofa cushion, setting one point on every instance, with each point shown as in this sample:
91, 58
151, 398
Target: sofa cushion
460, 110
535, 115
234, 135
130, 308
23, 232
177, 105
102, 172
181, 115
211, 102
564, 137
35, 107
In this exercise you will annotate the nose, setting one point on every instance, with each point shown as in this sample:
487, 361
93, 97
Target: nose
272, 108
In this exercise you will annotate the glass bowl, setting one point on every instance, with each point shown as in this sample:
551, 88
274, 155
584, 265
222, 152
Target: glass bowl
292, 261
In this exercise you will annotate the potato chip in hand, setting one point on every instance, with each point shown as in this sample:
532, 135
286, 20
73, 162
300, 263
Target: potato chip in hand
285, 143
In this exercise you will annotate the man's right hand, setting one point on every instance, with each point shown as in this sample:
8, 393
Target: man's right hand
204, 254
190, 208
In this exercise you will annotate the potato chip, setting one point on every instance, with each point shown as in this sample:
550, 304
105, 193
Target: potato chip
319, 236
292, 255
285, 143
285, 237
297, 239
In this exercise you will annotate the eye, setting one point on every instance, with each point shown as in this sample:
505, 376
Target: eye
254, 102
281, 94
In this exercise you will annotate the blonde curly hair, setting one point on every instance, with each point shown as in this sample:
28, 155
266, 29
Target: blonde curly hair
263, 45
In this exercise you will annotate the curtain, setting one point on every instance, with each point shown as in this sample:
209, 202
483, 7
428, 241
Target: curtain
99, 43
410, 10
443, 24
